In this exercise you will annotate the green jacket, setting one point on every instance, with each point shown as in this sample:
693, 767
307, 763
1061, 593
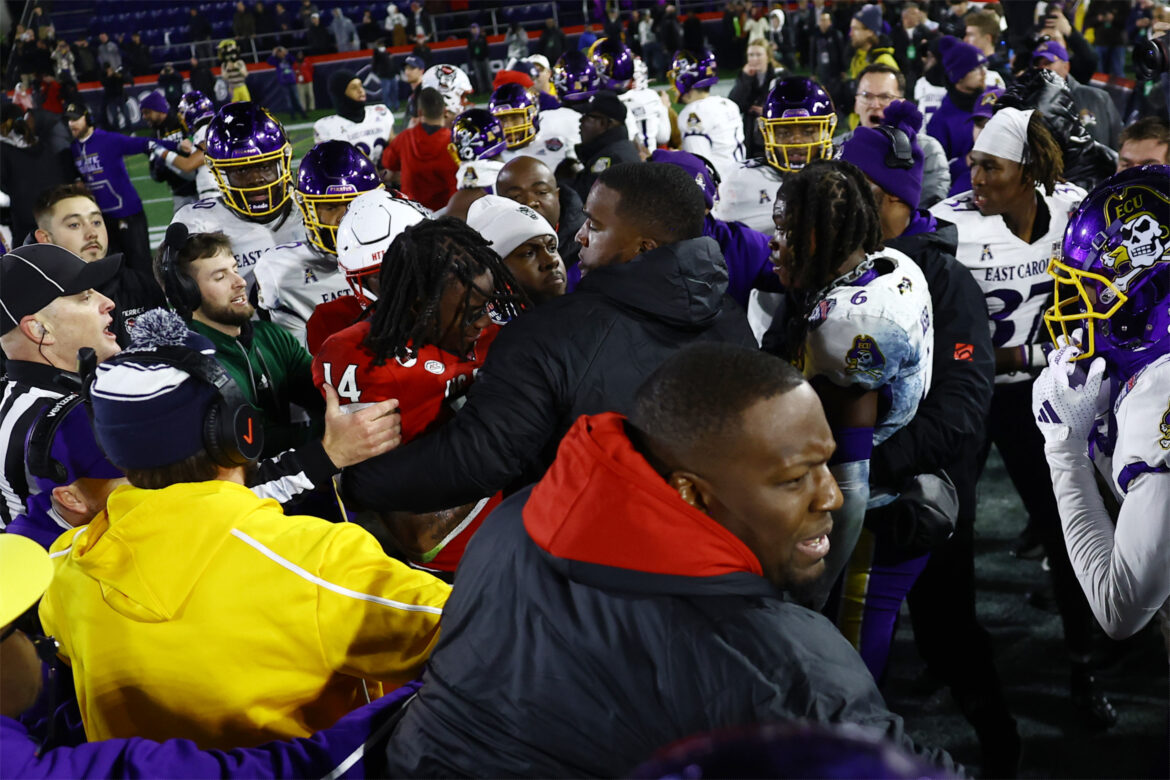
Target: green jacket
275, 374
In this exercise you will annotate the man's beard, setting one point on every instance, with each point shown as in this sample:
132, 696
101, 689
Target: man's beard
227, 315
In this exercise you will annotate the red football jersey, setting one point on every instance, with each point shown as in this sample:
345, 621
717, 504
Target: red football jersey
426, 387
329, 318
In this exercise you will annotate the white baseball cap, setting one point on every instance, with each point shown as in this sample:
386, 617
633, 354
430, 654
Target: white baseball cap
506, 223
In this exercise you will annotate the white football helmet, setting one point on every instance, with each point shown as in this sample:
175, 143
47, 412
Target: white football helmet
452, 82
372, 222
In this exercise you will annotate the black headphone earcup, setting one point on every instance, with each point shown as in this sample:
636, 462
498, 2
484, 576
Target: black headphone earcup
232, 435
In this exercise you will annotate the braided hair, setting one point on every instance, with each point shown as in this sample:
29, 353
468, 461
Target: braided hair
416, 270
831, 201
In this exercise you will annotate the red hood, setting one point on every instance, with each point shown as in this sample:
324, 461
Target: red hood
600, 502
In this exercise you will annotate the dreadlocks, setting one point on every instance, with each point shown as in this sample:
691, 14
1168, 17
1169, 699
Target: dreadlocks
831, 201
419, 265
1045, 162
829, 206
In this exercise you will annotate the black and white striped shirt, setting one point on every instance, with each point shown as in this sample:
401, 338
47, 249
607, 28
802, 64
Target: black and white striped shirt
26, 389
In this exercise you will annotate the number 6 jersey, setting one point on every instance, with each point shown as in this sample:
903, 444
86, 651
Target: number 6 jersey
1012, 273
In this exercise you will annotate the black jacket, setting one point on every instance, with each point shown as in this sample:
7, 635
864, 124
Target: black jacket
584, 353
751, 91
133, 293
605, 151
27, 171
181, 186
952, 418
572, 218
564, 655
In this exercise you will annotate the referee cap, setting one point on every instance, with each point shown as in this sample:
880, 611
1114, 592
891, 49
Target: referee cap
33, 276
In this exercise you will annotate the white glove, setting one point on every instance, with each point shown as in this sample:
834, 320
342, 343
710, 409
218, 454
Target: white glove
1065, 412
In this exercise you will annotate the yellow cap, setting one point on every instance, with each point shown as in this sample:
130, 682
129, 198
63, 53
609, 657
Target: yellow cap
25, 572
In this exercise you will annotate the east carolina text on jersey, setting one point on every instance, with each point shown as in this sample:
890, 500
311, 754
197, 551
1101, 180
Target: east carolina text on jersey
292, 280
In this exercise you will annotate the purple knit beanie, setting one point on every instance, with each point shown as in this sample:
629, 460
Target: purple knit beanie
958, 58
872, 150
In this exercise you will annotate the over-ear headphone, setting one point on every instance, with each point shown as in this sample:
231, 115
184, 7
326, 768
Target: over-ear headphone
41, 462
233, 434
901, 154
181, 290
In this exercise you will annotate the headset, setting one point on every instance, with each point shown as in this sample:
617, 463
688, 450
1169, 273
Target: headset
41, 462
901, 154
233, 433
181, 290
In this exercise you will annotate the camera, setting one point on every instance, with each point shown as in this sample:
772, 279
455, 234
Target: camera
1152, 58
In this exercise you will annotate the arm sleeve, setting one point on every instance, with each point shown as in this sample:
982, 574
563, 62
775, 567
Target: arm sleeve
298, 365
952, 417
1124, 571
510, 418
293, 473
128, 144
326, 752
377, 618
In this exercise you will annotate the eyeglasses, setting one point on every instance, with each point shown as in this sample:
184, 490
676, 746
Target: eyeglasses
875, 99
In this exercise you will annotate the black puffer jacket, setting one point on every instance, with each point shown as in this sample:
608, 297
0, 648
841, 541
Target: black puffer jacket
951, 419
598, 617
584, 353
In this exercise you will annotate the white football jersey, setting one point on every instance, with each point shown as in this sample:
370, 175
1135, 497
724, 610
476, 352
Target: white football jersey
204, 180
477, 174
294, 278
647, 118
1141, 422
249, 239
559, 134
928, 98
874, 328
747, 194
713, 127
370, 136
1012, 273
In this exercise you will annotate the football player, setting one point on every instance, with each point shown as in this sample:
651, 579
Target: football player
371, 223
646, 114
1113, 283
1010, 225
453, 84
368, 127
477, 140
250, 157
797, 125
711, 126
525, 130
293, 279
196, 111
446, 293
859, 324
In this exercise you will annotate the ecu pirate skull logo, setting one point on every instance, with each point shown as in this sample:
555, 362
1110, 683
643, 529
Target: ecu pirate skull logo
864, 357
1144, 241
1164, 428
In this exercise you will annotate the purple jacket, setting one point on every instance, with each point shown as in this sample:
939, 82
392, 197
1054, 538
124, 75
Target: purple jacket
953, 128
339, 748
99, 159
285, 72
748, 258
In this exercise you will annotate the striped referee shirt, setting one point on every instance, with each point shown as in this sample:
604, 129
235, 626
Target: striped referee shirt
26, 389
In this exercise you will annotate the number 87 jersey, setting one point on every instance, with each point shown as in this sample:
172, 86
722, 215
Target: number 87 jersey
1012, 273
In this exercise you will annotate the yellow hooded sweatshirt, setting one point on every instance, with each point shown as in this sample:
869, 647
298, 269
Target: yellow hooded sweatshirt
202, 611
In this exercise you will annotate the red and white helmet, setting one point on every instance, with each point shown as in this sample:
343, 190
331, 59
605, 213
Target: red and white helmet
370, 225
452, 82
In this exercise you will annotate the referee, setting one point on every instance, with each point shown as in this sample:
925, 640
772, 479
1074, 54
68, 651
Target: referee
48, 311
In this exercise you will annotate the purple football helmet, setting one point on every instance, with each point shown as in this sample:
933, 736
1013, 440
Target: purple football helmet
517, 111
797, 123
332, 173
250, 157
1113, 279
476, 135
195, 109
575, 77
692, 71
614, 63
